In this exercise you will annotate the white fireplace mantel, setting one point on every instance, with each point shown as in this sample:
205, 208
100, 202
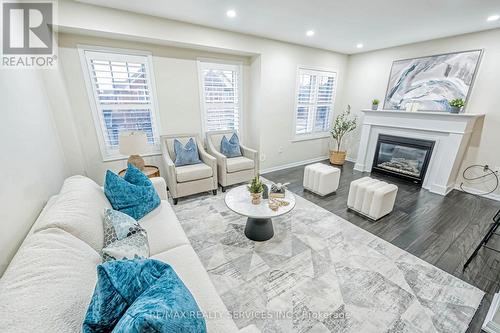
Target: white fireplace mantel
450, 132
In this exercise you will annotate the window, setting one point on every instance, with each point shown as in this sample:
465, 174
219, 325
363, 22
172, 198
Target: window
220, 90
122, 97
315, 94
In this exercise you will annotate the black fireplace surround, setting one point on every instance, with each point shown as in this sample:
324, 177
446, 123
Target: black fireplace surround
406, 158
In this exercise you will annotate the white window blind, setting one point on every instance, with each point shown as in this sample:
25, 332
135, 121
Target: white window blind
220, 87
315, 95
123, 97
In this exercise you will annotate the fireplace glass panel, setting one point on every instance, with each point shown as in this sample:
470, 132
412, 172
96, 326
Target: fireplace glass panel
404, 160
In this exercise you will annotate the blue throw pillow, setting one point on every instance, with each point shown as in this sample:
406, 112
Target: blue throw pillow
136, 176
231, 147
136, 198
186, 155
141, 295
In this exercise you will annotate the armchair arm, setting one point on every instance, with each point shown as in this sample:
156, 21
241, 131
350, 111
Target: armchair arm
207, 158
170, 169
160, 187
221, 159
251, 154
211, 162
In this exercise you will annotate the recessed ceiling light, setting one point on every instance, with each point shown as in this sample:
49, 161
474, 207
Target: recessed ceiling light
493, 18
359, 45
231, 13
310, 33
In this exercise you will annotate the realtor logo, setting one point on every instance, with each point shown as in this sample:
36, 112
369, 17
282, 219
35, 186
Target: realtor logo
27, 34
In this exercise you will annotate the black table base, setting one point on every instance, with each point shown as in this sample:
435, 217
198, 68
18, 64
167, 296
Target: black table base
259, 229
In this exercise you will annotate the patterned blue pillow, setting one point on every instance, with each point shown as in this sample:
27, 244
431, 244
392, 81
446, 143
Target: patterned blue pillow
186, 155
123, 237
134, 199
141, 295
230, 148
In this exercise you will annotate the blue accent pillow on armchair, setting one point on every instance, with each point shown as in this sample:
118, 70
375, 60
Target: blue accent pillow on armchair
231, 147
141, 295
133, 195
186, 155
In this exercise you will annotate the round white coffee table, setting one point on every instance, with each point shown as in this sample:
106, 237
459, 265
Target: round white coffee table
259, 225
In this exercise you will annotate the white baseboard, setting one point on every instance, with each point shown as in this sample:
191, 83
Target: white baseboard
299, 163
293, 164
492, 196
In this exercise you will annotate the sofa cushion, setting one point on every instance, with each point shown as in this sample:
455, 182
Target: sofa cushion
48, 285
135, 176
189, 173
230, 148
141, 296
163, 229
236, 164
186, 154
187, 265
79, 210
135, 200
123, 237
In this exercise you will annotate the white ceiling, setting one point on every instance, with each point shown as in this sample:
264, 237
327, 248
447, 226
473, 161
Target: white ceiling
338, 24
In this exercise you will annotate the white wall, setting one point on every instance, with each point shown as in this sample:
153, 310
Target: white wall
368, 74
177, 91
271, 129
33, 165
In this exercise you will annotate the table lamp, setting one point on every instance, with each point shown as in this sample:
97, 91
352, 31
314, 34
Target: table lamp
133, 144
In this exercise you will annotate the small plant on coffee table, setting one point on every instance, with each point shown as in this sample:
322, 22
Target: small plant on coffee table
256, 188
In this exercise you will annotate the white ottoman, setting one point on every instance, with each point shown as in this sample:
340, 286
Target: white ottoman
372, 198
321, 179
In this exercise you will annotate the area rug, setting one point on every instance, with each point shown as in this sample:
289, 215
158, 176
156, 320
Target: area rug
320, 273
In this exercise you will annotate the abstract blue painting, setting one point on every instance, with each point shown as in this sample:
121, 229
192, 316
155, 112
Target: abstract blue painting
431, 81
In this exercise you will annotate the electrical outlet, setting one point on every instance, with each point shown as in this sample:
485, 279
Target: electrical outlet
280, 149
497, 170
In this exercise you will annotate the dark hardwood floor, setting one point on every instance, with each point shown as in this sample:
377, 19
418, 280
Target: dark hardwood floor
440, 230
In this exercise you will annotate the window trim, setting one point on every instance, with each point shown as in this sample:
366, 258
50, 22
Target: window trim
93, 102
314, 135
222, 64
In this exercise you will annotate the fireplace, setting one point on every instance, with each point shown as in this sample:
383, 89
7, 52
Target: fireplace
402, 157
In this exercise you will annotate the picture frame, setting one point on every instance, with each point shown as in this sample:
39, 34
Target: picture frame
433, 80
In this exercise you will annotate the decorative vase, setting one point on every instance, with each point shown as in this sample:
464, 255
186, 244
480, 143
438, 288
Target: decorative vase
374, 107
256, 198
455, 109
337, 157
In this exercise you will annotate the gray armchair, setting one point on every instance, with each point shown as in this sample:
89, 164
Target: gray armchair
236, 169
188, 179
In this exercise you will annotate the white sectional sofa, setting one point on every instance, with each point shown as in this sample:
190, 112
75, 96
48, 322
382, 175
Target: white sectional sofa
50, 281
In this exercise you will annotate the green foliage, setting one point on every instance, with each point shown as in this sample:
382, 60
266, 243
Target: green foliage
255, 186
457, 102
342, 126
375, 102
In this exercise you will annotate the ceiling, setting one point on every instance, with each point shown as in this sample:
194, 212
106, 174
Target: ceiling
339, 25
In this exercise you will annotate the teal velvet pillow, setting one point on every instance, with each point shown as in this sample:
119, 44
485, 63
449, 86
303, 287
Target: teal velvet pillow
133, 195
186, 155
141, 295
231, 147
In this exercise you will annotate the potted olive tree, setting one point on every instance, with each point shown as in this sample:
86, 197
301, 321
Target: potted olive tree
375, 104
256, 188
342, 125
456, 105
